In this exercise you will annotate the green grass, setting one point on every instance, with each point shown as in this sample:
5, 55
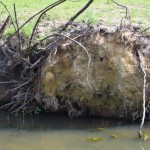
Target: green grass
99, 11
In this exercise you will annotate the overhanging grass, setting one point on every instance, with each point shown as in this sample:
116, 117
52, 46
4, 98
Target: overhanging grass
99, 11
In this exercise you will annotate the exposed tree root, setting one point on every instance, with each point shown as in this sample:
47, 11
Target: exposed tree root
25, 66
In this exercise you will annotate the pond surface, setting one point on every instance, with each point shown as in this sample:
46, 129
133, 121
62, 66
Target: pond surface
55, 132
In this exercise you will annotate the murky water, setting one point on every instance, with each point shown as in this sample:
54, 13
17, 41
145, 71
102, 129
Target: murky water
53, 132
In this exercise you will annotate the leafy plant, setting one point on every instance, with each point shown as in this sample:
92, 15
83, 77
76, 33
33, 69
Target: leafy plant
37, 110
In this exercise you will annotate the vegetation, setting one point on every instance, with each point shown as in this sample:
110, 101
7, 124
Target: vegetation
101, 11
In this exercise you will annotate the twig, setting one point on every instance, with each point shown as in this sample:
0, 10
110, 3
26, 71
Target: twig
52, 6
8, 82
21, 85
13, 106
36, 44
144, 94
4, 26
145, 30
9, 14
51, 35
74, 0
76, 15
37, 62
126, 8
25, 101
27, 22
19, 37
8, 104
74, 42
23, 105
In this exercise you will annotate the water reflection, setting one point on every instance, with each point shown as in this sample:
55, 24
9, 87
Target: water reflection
141, 145
59, 132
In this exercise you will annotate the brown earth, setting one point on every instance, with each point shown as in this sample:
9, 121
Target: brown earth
96, 71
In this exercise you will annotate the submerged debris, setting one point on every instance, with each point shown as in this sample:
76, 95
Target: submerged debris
144, 136
94, 139
114, 136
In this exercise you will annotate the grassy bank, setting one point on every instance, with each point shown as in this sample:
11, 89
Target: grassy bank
99, 11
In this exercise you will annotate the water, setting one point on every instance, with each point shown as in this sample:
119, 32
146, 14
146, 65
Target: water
55, 132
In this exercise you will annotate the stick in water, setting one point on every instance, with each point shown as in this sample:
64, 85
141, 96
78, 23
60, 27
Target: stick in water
144, 95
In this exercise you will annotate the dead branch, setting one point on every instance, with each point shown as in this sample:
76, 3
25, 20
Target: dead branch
74, 42
16, 104
37, 62
4, 26
14, 89
74, 0
22, 100
37, 43
145, 30
21, 106
27, 22
8, 82
76, 15
126, 8
9, 14
16, 20
52, 6
8, 104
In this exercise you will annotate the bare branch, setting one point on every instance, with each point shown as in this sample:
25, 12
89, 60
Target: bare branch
126, 8
28, 21
52, 6
16, 20
22, 85
145, 30
8, 82
37, 62
9, 14
76, 15
8, 104
4, 26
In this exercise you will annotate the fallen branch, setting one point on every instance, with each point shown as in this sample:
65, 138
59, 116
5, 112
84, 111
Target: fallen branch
8, 82
20, 86
26, 23
145, 30
37, 22
4, 26
9, 14
37, 62
8, 104
126, 8
19, 37
76, 15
